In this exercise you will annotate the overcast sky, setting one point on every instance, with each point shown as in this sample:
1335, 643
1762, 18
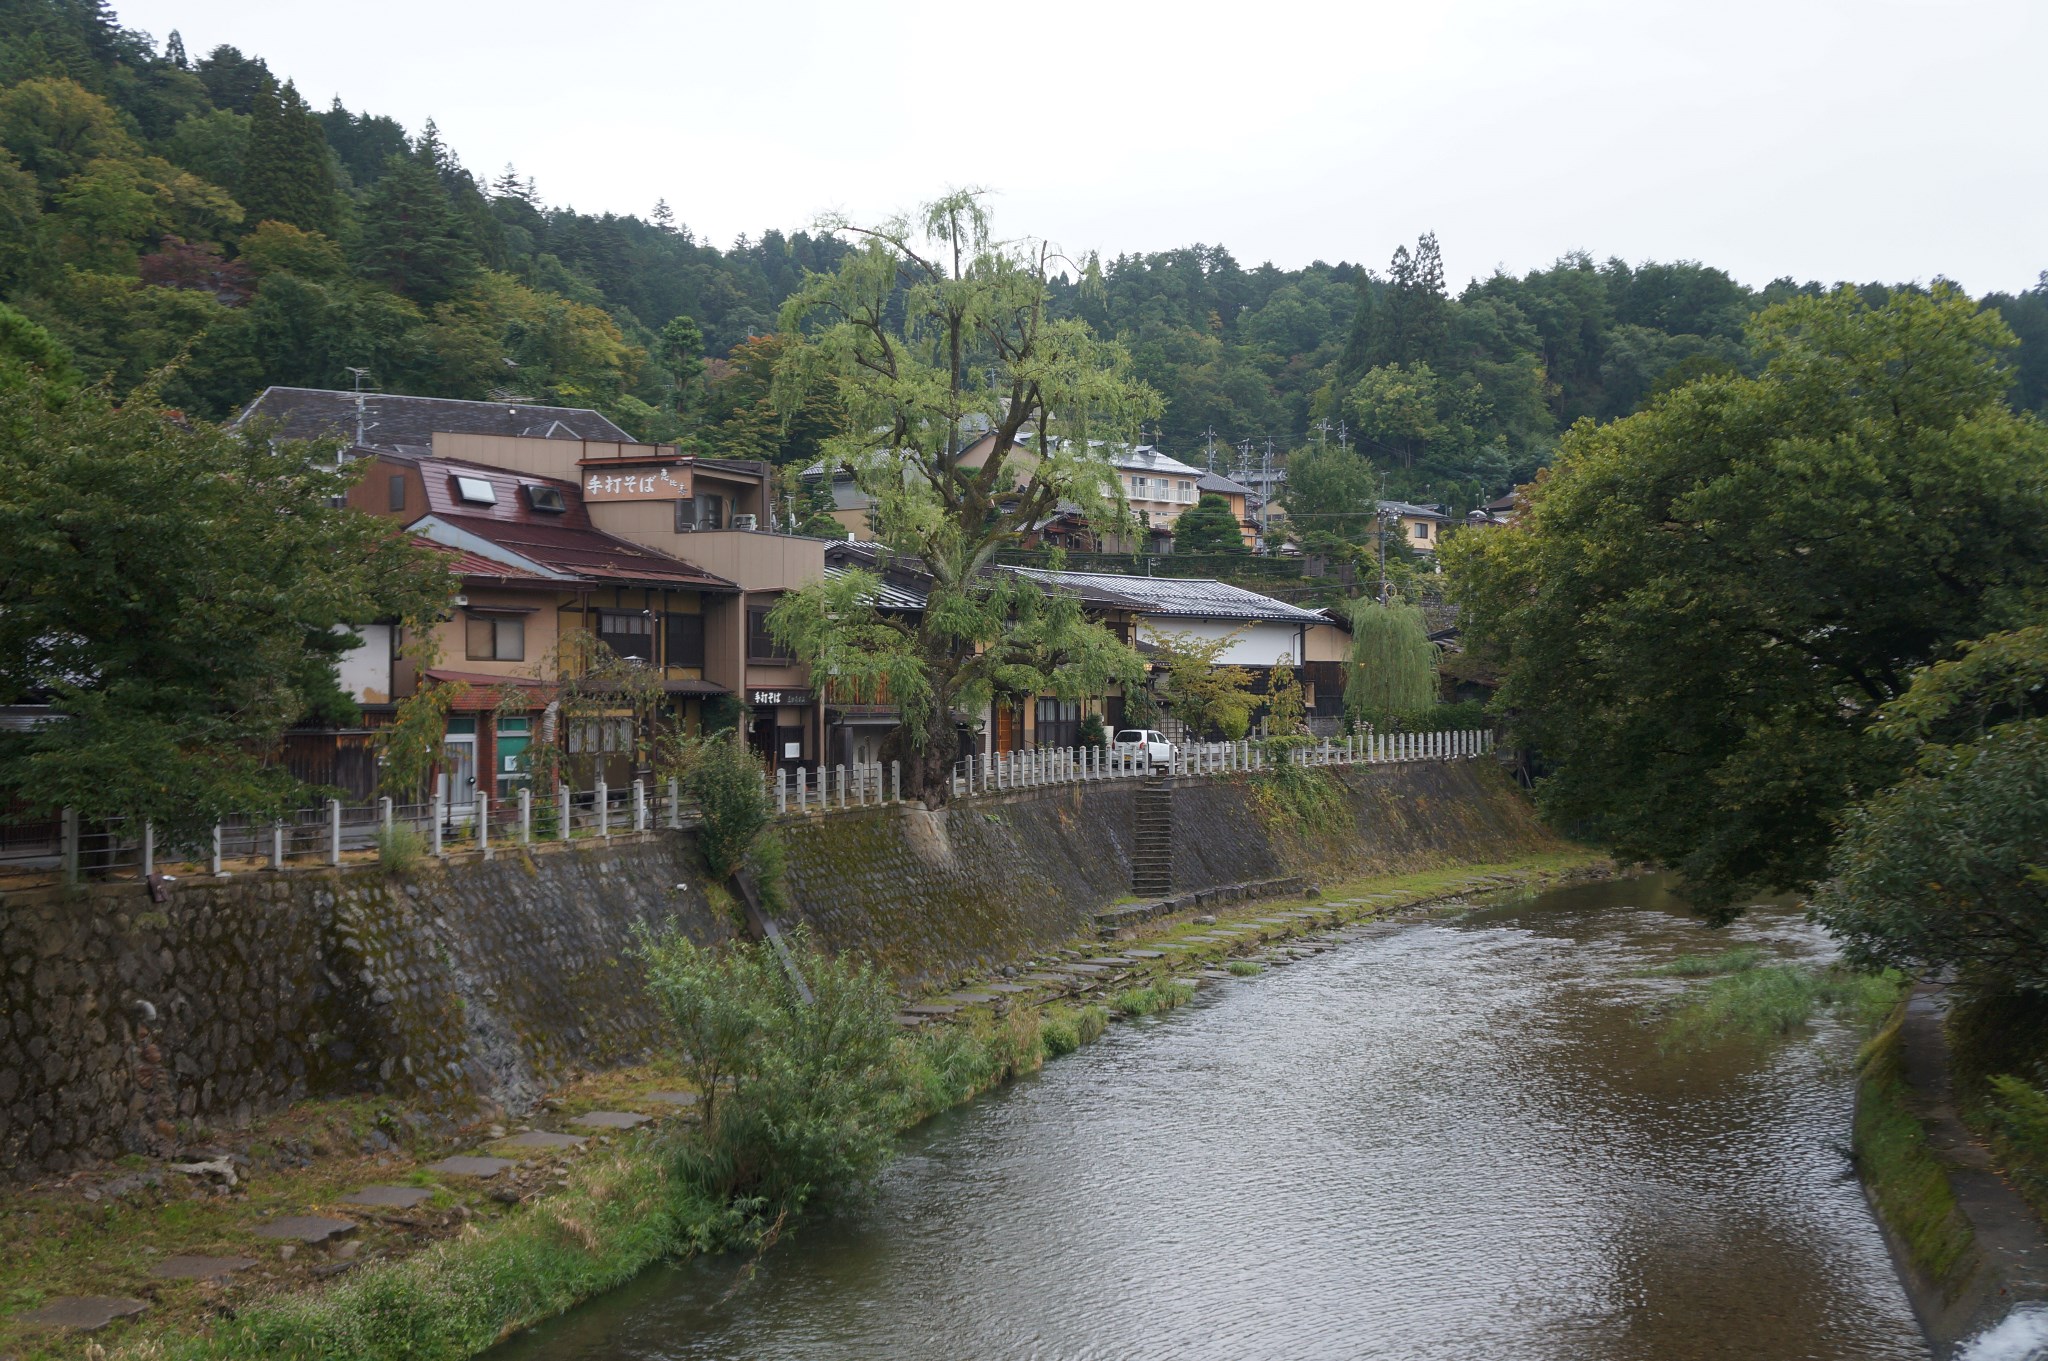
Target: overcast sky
1873, 140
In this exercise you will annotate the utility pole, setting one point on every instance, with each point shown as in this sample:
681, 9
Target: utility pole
1266, 481
1343, 438
1210, 435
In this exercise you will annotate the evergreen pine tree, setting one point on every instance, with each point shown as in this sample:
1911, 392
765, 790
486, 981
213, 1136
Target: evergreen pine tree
174, 51
1208, 528
286, 174
411, 240
234, 82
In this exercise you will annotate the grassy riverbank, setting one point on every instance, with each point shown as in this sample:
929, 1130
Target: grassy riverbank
1907, 1184
478, 1262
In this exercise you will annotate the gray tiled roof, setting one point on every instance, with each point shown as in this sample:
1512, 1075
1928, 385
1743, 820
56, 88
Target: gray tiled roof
1185, 597
395, 423
888, 595
1410, 508
1218, 483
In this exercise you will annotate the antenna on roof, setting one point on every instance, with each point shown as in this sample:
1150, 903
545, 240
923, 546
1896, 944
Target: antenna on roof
363, 386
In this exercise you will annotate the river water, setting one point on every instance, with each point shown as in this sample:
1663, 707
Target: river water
1445, 1139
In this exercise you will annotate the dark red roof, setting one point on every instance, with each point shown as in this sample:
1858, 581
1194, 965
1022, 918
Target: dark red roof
589, 553
562, 541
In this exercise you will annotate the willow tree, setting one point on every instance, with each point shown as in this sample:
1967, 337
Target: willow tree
970, 413
1391, 673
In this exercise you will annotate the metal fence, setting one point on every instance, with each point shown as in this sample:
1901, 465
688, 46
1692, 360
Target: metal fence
1006, 771
70, 848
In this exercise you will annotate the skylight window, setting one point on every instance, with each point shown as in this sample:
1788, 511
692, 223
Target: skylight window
478, 491
547, 499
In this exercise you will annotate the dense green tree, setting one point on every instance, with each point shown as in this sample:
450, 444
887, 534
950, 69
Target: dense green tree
409, 238
178, 595
286, 175
1702, 607
1948, 869
1208, 527
681, 351
931, 333
235, 82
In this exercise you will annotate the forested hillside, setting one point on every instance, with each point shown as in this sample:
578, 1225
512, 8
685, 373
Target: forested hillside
155, 206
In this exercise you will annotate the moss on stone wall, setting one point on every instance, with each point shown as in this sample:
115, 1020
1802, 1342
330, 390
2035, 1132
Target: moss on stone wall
124, 1023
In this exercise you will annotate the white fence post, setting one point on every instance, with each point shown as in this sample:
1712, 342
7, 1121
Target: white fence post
277, 844
781, 789
639, 806
68, 843
483, 823
525, 815
564, 812
604, 810
675, 800
213, 863
334, 831
148, 849
386, 812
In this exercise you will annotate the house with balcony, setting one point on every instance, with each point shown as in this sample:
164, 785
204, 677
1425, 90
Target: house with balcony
714, 515
534, 570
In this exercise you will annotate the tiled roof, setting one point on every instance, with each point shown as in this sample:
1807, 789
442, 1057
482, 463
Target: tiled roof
1190, 598
588, 553
888, 595
1216, 482
395, 423
1146, 459
1411, 509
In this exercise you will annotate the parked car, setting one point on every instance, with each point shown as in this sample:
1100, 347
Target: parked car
1143, 744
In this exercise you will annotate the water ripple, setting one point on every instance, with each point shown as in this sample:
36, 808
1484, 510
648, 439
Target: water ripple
1446, 1140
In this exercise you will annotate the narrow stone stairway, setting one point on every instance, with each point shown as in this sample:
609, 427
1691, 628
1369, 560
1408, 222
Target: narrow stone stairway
1152, 851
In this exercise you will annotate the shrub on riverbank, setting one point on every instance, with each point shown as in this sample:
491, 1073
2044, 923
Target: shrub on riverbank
798, 1093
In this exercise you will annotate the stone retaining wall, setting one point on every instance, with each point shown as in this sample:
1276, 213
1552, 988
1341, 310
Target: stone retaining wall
125, 1023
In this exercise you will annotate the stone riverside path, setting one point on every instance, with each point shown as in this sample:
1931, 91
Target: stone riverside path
90, 1313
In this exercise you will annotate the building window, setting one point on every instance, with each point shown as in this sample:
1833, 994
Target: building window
685, 640
702, 511
478, 491
1422, 529
628, 633
398, 492
496, 638
761, 645
1058, 723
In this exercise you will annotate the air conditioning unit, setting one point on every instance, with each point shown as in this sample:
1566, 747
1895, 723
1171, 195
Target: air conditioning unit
746, 522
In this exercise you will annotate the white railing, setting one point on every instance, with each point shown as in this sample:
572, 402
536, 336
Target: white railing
1004, 772
832, 789
72, 848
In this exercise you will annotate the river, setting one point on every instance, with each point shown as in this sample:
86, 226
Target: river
1453, 1138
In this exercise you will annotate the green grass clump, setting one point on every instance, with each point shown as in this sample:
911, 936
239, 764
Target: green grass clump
1706, 966
617, 1216
1766, 1001
400, 847
1156, 997
956, 1063
1906, 1180
1243, 968
2017, 1113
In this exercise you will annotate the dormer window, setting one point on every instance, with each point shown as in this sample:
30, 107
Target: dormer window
547, 500
477, 491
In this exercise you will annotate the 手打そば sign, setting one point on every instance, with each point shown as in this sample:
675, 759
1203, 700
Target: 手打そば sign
636, 484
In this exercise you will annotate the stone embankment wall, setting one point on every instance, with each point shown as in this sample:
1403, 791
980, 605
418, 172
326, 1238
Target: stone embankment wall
935, 896
125, 1022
